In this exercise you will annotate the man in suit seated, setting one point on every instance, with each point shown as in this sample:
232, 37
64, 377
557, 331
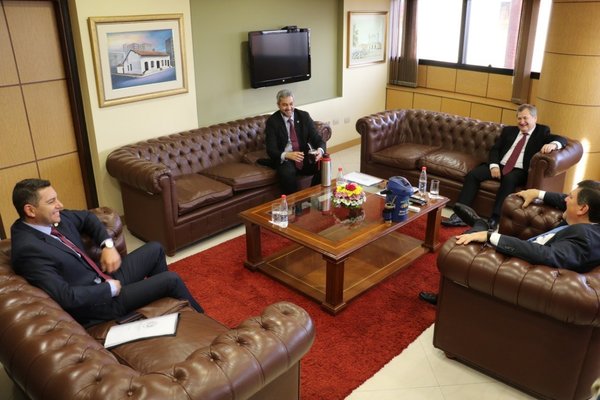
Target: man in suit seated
574, 244
508, 161
47, 251
291, 137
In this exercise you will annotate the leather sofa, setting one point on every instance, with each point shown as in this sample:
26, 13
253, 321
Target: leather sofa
400, 142
181, 188
50, 356
532, 326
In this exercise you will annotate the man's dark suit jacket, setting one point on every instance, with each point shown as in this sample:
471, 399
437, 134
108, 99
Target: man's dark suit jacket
48, 264
576, 247
540, 136
276, 136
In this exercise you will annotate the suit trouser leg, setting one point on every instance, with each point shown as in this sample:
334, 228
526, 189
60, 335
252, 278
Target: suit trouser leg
286, 173
144, 277
508, 185
472, 182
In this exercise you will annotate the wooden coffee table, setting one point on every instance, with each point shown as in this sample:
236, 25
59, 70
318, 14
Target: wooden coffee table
333, 259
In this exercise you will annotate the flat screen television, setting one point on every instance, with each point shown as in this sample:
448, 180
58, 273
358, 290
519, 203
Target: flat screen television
279, 56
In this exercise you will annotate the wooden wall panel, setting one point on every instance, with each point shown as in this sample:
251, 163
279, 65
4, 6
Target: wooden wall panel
14, 130
8, 68
50, 118
458, 107
398, 99
486, 113
427, 102
471, 82
67, 185
12, 175
35, 40
441, 78
500, 87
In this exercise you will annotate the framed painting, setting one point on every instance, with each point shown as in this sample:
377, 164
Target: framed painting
367, 35
138, 57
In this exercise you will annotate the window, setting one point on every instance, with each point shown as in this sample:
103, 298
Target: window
438, 29
480, 33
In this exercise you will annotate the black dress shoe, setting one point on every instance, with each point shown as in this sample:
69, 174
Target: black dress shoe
469, 215
492, 224
454, 220
429, 297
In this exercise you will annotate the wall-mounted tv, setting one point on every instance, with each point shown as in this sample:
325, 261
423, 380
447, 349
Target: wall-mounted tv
279, 56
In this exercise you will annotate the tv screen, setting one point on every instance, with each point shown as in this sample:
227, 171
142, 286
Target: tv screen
278, 57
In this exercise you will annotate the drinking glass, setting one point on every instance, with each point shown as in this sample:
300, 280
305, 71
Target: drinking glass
434, 189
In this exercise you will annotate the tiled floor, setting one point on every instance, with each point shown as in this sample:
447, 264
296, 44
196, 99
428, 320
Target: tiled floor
419, 372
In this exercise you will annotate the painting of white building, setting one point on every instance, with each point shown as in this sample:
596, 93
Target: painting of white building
144, 62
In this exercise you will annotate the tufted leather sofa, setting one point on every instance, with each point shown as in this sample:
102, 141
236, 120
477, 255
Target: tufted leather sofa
181, 188
534, 327
400, 142
50, 356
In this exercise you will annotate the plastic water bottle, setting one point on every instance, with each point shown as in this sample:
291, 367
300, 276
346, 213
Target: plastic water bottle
423, 182
283, 209
340, 180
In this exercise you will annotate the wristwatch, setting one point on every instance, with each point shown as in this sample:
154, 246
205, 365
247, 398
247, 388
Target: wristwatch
107, 244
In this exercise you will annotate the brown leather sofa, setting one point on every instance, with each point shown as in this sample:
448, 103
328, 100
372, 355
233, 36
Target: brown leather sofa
400, 142
181, 188
534, 327
50, 356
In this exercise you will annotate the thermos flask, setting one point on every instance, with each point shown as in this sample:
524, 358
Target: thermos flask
326, 170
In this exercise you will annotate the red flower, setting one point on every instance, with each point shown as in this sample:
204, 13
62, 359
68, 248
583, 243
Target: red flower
351, 186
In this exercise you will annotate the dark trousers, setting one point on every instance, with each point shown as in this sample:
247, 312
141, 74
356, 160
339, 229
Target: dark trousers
287, 174
508, 184
144, 278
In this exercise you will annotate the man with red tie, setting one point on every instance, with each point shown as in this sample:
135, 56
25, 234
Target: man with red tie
47, 251
289, 135
509, 161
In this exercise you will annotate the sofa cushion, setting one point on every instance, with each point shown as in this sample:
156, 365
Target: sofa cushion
194, 191
403, 156
242, 176
449, 164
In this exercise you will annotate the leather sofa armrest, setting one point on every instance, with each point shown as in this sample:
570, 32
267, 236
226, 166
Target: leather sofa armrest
134, 171
323, 129
114, 226
554, 163
379, 131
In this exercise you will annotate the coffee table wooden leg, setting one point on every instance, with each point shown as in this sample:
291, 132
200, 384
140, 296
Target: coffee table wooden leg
334, 286
434, 220
253, 247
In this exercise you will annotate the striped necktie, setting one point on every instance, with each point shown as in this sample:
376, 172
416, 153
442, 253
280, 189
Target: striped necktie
80, 252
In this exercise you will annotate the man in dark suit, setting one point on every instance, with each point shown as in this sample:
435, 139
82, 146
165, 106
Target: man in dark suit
574, 244
47, 251
290, 135
511, 171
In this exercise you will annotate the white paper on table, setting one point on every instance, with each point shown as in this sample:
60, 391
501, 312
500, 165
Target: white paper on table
362, 179
142, 329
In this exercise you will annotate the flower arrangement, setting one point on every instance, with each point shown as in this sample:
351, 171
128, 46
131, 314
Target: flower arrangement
349, 195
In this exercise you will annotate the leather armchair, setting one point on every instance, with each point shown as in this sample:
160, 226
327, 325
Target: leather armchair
50, 356
532, 326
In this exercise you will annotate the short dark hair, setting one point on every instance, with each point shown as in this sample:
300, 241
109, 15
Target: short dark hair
26, 192
590, 195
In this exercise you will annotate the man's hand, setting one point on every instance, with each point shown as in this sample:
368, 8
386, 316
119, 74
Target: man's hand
467, 238
495, 172
528, 196
549, 148
110, 260
295, 156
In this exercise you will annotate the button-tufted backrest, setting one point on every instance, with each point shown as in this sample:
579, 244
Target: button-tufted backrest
451, 132
195, 150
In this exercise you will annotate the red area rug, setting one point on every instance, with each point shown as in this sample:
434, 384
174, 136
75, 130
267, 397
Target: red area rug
350, 347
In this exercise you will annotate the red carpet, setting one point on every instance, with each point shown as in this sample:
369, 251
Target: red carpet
350, 347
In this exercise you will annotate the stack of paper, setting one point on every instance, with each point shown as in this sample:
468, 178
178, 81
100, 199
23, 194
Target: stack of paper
145, 328
362, 179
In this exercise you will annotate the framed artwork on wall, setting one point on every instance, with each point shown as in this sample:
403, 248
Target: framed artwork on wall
138, 57
367, 36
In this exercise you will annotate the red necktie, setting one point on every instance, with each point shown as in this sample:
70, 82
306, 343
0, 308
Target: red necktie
294, 140
512, 160
77, 250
